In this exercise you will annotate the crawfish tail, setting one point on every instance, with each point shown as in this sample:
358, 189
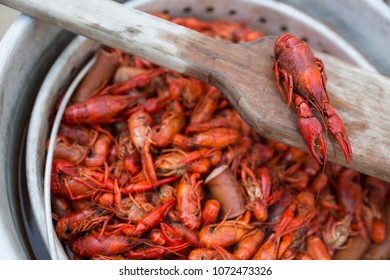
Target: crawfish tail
98, 110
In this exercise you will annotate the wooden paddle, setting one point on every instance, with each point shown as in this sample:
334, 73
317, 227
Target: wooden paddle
242, 71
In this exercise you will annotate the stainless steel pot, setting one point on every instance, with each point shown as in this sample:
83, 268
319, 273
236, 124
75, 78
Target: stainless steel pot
27, 52
30, 48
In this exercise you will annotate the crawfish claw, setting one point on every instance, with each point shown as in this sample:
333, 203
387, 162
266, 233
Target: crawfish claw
311, 131
343, 141
337, 129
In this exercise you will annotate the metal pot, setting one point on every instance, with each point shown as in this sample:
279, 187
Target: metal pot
30, 48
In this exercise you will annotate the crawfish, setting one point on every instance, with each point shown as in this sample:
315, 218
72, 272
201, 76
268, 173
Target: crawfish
189, 196
350, 197
60, 207
153, 218
64, 182
99, 75
99, 110
225, 254
298, 213
169, 164
225, 233
188, 91
143, 186
289, 221
129, 208
190, 235
377, 195
234, 155
230, 119
79, 221
335, 233
232, 31
140, 134
317, 249
139, 80
125, 158
177, 162
172, 237
126, 73
72, 152
248, 245
304, 81
206, 106
258, 194
83, 135
93, 244
157, 237
213, 138
285, 246
269, 249
172, 123
210, 211
99, 151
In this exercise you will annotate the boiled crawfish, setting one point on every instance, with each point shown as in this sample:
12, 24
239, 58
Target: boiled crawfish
131, 174
301, 76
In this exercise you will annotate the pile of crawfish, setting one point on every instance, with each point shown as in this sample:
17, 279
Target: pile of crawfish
150, 164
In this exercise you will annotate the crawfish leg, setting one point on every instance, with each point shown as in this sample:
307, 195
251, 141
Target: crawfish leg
287, 83
310, 128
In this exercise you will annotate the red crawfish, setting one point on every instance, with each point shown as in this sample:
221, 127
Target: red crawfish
99, 75
303, 78
190, 235
316, 248
140, 80
83, 135
80, 221
172, 123
141, 136
189, 196
75, 182
188, 91
214, 138
248, 245
99, 110
210, 211
153, 218
94, 244
350, 196
269, 249
99, 151
66, 150
378, 191
206, 106
225, 233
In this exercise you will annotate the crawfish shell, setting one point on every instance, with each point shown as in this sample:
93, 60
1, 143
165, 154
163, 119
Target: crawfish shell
168, 165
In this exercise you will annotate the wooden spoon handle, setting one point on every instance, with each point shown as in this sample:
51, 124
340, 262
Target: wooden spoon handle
127, 29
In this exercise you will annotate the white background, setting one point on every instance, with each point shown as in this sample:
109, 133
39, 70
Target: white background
104, 270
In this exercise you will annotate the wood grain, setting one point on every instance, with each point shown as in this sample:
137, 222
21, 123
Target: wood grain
243, 72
